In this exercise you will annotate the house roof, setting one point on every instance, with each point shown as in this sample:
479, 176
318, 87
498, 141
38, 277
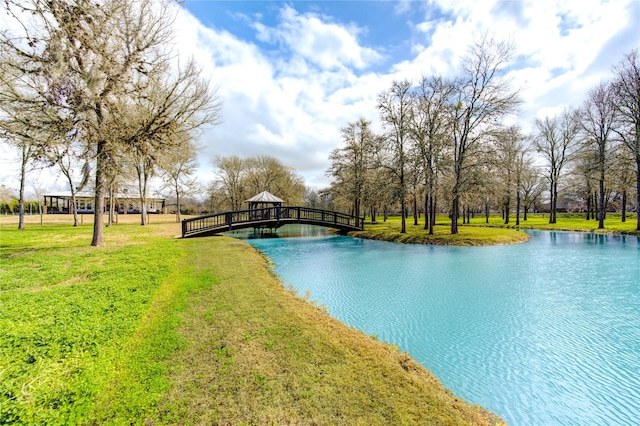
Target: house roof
265, 197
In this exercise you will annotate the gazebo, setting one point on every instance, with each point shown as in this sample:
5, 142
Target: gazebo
264, 200
261, 205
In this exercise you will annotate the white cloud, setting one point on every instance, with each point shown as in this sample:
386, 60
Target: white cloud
325, 44
290, 107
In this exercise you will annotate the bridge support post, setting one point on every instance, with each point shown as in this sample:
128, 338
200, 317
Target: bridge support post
229, 219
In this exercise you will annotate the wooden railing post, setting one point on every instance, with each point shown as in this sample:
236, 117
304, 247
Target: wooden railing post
229, 219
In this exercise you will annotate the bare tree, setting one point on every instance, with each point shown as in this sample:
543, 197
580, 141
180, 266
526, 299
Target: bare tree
89, 62
177, 168
351, 165
532, 187
509, 160
626, 87
556, 139
482, 97
230, 172
394, 105
430, 126
598, 116
66, 155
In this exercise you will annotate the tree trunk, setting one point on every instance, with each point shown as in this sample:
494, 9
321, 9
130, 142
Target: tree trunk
486, 212
554, 203
507, 208
602, 206
427, 212
74, 206
432, 213
23, 177
455, 206
403, 201
98, 213
143, 177
177, 205
403, 216
434, 209
637, 193
624, 205
518, 208
589, 207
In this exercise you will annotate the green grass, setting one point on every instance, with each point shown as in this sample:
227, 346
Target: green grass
566, 222
478, 232
67, 312
155, 330
467, 235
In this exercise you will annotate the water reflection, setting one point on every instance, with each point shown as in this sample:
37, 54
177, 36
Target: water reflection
286, 231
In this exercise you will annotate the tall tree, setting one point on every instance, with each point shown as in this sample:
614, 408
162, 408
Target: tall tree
598, 115
429, 129
89, 61
265, 173
394, 106
230, 172
556, 139
239, 178
351, 165
582, 179
509, 160
627, 90
481, 99
177, 168
16, 118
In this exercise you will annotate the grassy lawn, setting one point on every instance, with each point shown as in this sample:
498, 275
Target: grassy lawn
150, 329
566, 222
467, 235
478, 232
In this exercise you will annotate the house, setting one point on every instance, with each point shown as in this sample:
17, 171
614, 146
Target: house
125, 203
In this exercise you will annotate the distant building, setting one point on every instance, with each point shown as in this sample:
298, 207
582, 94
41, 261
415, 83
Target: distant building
125, 203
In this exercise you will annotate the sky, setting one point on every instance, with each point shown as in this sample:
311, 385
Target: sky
291, 74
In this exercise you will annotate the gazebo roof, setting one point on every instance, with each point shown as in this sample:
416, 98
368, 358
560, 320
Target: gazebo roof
265, 197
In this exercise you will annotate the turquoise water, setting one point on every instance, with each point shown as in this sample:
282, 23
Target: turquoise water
541, 333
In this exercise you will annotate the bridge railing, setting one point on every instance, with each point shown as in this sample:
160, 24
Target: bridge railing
218, 221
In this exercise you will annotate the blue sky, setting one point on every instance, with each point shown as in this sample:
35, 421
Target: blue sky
291, 74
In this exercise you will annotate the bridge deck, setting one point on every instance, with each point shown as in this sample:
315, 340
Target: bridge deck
271, 217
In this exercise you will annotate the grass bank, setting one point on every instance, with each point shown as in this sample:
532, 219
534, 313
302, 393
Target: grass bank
150, 329
574, 222
416, 234
479, 232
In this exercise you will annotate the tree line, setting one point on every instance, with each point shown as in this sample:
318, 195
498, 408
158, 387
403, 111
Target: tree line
100, 83
238, 179
448, 144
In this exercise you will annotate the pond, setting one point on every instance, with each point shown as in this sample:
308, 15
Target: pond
545, 332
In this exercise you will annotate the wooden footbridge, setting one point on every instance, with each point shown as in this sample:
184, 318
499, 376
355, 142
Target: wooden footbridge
269, 218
